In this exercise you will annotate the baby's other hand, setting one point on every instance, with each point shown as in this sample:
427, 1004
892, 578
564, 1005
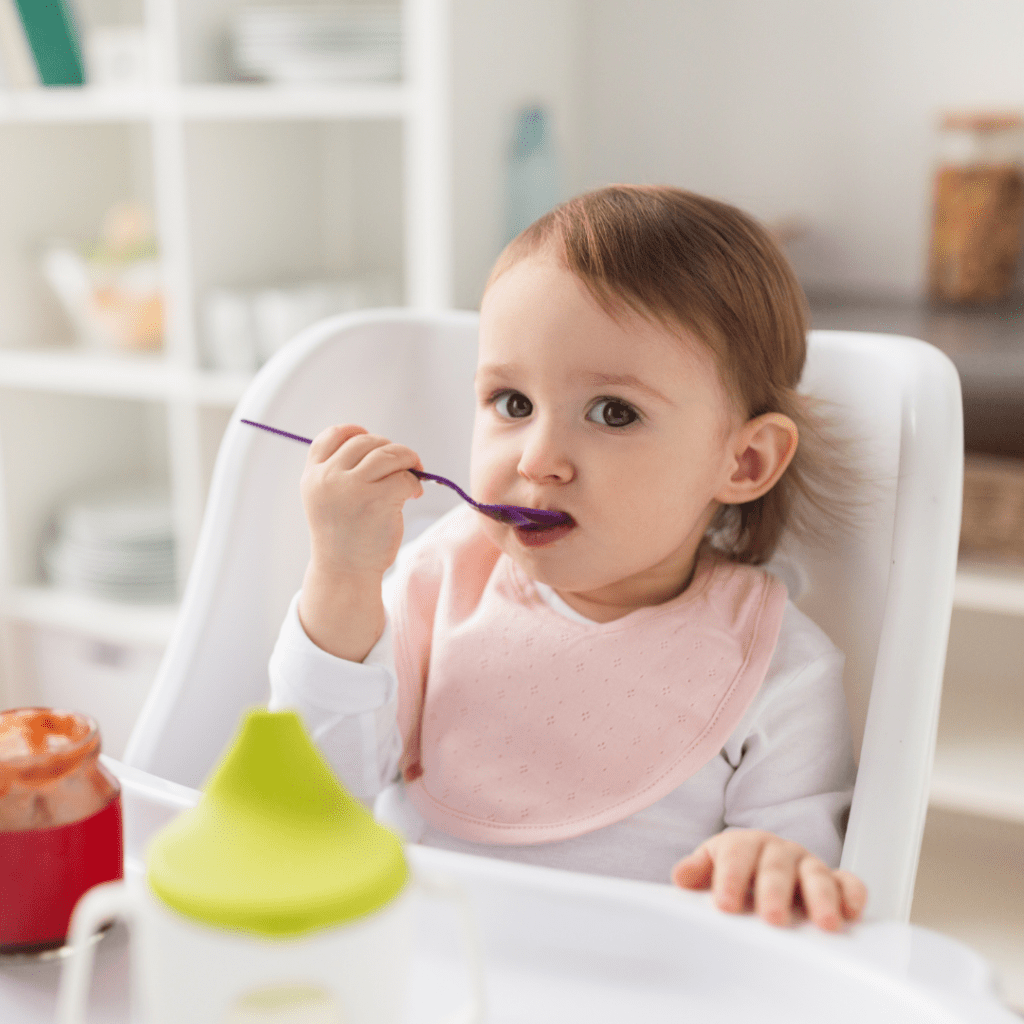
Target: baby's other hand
750, 869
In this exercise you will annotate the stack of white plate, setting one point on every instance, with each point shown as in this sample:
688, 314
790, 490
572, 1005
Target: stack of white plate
310, 45
244, 327
117, 545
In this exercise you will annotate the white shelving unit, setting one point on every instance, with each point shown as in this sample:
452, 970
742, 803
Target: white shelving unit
971, 876
250, 185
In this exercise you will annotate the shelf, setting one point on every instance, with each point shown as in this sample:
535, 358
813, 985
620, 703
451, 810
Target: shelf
968, 887
72, 104
259, 102
248, 184
983, 777
206, 103
143, 377
989, 587
104, 620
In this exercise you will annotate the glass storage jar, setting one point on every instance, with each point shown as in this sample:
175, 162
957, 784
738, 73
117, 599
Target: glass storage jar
60, 826
978, 206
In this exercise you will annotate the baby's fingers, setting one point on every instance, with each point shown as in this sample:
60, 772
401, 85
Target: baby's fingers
328, 441
819, 888
735, 866
775, 886
694, 871
854, 894
388, 458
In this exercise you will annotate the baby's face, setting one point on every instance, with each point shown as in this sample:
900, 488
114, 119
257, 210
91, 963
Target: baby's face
637, 463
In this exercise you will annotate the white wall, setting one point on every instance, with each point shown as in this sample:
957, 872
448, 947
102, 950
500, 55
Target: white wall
506, 54
817, 108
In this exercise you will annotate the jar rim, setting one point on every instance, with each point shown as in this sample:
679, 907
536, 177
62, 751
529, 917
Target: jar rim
58, 762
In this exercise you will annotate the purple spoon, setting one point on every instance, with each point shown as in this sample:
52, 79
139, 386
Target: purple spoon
514, 515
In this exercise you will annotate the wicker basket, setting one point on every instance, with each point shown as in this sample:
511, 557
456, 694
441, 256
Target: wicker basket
993, 514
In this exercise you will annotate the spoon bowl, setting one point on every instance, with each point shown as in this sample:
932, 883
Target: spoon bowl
513, 515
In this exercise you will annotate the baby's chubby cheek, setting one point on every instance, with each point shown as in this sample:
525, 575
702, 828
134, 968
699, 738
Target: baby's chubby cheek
485, 488
491, 479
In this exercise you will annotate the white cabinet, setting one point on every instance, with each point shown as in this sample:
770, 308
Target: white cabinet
250, 185
970, 880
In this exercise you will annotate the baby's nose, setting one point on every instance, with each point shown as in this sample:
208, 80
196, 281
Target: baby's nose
546, 455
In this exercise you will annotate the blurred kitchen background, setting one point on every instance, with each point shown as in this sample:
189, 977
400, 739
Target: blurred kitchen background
187, 183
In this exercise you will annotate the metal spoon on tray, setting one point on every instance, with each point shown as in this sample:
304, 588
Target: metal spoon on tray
514, 515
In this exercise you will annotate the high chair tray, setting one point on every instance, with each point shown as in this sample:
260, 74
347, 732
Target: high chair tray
561, 947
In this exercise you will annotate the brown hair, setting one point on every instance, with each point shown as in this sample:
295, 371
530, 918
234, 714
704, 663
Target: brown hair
683, 260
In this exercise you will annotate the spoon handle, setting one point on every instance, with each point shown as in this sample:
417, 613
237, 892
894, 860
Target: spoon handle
448, 483
415, 472
283, 433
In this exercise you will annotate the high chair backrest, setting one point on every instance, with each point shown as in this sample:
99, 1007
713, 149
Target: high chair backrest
884, 595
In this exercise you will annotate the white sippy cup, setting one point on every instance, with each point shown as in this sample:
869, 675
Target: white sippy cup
277, 898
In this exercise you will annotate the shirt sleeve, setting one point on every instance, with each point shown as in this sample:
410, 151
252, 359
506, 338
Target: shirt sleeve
793, 767
350, 708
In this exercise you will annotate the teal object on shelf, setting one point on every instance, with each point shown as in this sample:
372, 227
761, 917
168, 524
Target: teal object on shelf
533, 176
53, 35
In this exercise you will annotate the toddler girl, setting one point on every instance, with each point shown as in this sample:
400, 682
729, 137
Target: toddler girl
627, 693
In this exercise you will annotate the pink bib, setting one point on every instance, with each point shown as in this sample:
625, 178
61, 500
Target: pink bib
522, 726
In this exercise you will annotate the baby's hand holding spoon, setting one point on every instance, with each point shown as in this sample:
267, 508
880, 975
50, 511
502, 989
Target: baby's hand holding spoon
353, 488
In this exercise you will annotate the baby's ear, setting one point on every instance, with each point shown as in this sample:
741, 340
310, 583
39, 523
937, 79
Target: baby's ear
762, 451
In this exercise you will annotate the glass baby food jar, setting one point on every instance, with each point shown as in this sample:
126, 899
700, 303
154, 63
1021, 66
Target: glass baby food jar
978, 207
60, 826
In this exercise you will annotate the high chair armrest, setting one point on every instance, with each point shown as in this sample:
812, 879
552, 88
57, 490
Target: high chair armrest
148, 802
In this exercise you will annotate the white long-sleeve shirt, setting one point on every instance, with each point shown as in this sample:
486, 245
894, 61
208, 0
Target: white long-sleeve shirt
787, 768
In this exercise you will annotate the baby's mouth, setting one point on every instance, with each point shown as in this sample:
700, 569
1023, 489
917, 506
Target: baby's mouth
557, 519
536, 536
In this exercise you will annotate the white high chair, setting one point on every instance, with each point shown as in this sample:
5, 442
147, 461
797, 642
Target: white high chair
884, 596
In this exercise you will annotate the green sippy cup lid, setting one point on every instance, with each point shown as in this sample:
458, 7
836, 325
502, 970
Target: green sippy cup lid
276, 846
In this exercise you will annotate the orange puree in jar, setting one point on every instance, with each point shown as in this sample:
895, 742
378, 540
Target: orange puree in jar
60, 823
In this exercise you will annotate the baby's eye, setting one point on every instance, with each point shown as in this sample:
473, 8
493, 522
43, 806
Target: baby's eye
616, 413
518, 404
